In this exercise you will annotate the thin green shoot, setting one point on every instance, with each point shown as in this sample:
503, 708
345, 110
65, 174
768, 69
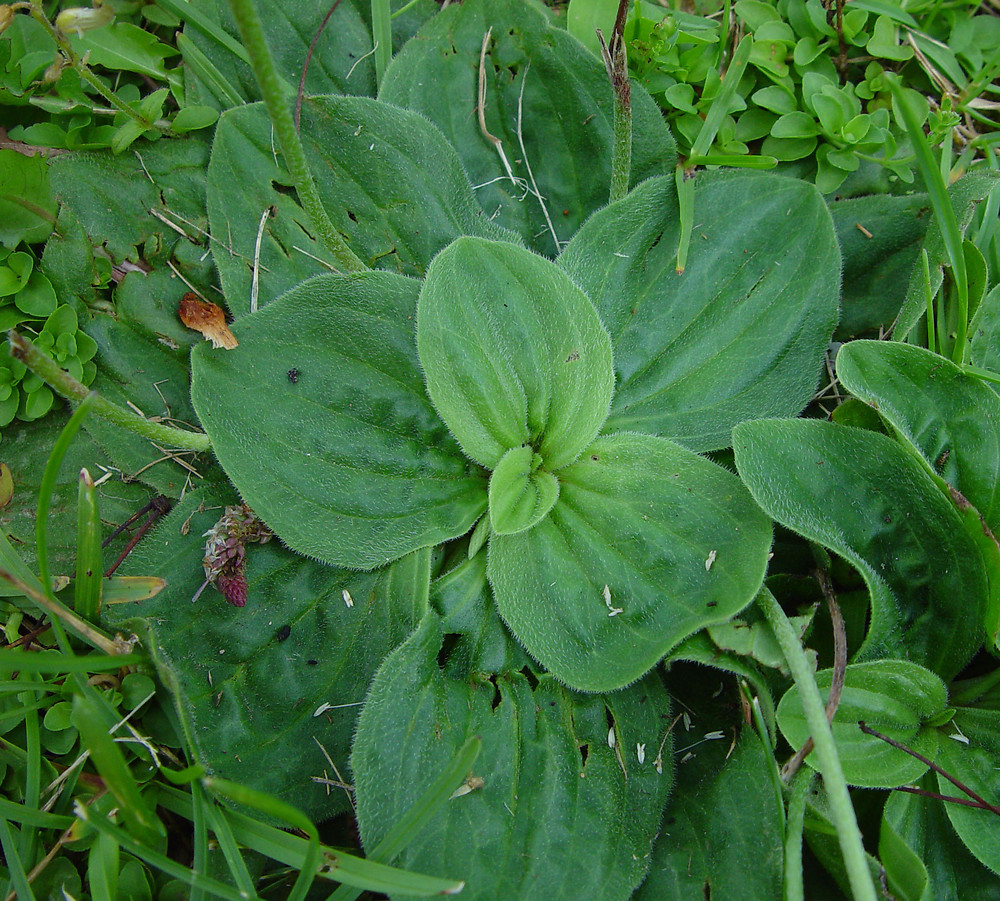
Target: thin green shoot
222, 89
723, 100
63, 383
191, 14
219, 825
274, 807
381, 37
272, 88
430, 802
49, 477
801, 783
925, 283
944, 214
156, 859
18, 876
89, 579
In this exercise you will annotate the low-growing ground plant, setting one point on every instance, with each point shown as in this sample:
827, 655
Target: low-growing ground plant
538, 503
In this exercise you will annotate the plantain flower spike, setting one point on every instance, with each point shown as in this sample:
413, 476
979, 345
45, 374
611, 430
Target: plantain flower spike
6, 16
81, 19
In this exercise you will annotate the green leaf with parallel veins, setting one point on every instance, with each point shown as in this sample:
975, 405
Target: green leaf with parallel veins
741, 332
520, 493
321, 420
923, 857
971, 753
387, 178
263, 690
542, 86
722, 827
950, 417
647, 544
879, 259
867, 499
513, 352
894, 697
556, 813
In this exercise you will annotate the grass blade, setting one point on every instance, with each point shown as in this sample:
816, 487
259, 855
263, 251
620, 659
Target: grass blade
429, 803
88, 717
944, 213
18, 877
48, 485
156, 859
87, 588
381, 37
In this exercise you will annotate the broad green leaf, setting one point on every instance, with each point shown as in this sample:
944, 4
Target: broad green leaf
721, 834
971, 753
867, 499
878, 259
647, 544
261, 691
924, 859
553, 811
321, 420
388, 180
741, 333
951, 418
513, 352
894, 697
341, 61
543, 88
27, 208
965, 195
121, 201
520, 494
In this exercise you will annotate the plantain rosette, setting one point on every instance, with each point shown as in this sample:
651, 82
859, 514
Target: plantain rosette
553, 411
604, 548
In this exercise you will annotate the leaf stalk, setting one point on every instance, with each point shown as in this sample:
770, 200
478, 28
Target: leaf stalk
62, 382
841, 809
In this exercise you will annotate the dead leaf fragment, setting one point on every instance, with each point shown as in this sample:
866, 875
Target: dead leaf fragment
207, 318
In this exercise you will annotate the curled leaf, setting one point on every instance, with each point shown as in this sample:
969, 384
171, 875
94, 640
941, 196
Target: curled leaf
207, 318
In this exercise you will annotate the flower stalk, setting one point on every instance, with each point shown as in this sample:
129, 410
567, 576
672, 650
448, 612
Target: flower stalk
252, 33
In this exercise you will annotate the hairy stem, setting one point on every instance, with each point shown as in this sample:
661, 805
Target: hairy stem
616, 63
841, 809
63, 383
276, 102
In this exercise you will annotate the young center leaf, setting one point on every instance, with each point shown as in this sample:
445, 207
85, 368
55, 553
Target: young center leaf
520, 493
647, 544
513, 352
321, 420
